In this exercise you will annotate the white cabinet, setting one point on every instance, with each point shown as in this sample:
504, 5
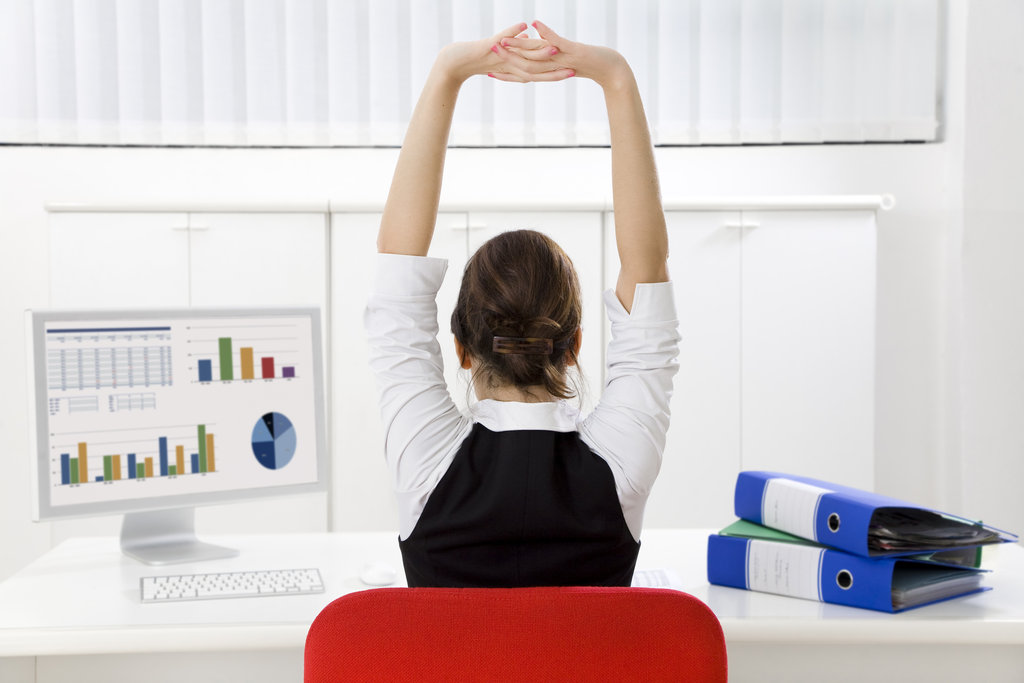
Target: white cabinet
776, 314
177, 259
264, 259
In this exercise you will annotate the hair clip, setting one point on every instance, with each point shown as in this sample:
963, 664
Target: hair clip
523, 345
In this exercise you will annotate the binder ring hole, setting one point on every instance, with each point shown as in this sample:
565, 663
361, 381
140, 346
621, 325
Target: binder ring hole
844, 579
833, 522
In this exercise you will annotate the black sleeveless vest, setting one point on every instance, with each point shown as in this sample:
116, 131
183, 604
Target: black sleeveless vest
522, 508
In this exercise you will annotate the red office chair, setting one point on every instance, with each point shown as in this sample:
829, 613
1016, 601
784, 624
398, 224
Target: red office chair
515, 634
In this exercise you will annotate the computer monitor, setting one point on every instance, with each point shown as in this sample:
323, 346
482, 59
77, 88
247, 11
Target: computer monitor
153, 412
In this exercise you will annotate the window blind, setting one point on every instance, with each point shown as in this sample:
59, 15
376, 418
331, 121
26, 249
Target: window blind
347, 72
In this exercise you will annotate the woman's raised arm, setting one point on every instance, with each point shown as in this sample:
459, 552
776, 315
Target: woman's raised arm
410, 213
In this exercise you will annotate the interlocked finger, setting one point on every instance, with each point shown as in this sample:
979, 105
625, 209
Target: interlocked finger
546, 76
506, 77
527, 68
530, 49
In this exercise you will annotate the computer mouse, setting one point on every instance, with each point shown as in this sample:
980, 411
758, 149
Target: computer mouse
378, 574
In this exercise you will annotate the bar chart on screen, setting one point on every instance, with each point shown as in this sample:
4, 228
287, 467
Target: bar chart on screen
243, 352
136, 454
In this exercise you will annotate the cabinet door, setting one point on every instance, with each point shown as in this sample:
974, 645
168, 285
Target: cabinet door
258, 259
123, 260
362, 488
702, 452
808, 344
580, 235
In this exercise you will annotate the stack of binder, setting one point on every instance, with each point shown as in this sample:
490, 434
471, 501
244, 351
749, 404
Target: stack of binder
811, 539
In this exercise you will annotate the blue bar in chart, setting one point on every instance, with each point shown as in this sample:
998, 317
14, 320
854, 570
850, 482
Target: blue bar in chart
206, 370
131, 466
65, 468
195, 462
163, 456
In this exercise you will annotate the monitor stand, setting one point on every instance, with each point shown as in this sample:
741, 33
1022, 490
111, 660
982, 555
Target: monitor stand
167, 537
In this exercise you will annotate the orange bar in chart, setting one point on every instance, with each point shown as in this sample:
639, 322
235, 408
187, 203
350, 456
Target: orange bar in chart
209, 453
116, 467
248, 370
83, 470
179, 460
149, 468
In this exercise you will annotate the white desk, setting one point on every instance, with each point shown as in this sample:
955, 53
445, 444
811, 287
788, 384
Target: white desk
74, 615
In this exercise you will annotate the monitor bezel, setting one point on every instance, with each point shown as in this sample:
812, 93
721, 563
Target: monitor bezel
43, 510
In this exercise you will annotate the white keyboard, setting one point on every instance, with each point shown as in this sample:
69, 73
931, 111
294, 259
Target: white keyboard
241, 584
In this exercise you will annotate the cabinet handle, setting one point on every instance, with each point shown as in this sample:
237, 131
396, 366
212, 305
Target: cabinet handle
742, 225
470, 226
199, 228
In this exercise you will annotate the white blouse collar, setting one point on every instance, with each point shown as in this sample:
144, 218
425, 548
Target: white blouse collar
506, 416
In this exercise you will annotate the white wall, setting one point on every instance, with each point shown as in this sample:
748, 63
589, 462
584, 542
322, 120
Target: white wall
919, 454
992, 247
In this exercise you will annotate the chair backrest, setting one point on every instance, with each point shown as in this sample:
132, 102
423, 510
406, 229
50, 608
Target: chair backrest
515, 634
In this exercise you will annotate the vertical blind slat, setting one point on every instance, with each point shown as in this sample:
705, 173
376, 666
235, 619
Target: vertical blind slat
592, 26
265, 72
305, 72
56, 88
801, 72
225, 112
841, 34
138, 71
96, 64
760, 63
17, 71
718, 67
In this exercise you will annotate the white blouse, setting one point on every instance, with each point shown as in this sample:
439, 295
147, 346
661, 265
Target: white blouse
424, 429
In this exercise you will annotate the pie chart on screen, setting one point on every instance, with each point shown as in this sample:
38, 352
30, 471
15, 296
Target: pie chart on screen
273, 441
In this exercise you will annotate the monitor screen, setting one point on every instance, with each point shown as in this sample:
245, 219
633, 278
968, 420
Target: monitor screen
147, 410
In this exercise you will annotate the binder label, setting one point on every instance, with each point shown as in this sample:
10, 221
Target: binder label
791, 506
784, 569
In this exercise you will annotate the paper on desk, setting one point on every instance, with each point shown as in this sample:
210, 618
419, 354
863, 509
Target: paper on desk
657, 578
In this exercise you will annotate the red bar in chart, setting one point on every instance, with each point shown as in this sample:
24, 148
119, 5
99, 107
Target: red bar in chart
268, 367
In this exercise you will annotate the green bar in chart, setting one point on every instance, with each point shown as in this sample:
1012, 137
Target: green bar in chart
226, 368
140, 471
108, 468
74, 470
201, 429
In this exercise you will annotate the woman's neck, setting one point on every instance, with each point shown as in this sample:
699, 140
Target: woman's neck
508, 392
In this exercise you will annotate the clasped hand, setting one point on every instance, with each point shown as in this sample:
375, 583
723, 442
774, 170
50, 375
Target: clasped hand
511, 55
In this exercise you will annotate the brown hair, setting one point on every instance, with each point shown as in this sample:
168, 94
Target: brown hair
518, 312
